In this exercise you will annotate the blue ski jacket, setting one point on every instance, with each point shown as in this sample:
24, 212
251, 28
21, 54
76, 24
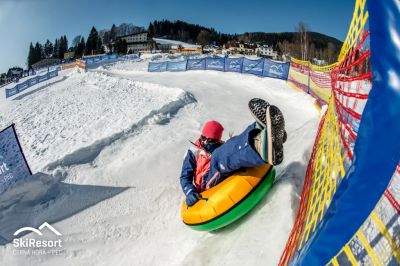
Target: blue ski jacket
234, 154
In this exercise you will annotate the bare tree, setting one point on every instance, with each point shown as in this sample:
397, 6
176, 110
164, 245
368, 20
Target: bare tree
203, 38
331, 52
302, 30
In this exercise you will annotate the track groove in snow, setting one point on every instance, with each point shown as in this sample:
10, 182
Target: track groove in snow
89, 153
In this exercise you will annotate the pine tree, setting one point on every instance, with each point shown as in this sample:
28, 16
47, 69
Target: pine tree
37, 55
80, 48
113, 33
56, 48
93, 43
31, 55
63, 47
48, 49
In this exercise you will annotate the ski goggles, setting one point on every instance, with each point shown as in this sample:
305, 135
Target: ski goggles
209, 140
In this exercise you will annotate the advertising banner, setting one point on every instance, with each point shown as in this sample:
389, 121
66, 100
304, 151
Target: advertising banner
157, 66
215, 63
253, 66
33, 81
11, 92
13, 165
176, 66
274, 69
196, 64
23, 86
233, 64
52, 74
30, 82
43, 78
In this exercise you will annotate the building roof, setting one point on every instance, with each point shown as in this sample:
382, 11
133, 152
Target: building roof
174, 44
132, 34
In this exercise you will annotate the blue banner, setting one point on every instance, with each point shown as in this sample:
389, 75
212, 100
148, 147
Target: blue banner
233, 64
11, 92
176, 66
30, 82
127, 57
42, 78
253, 66
259, 67
157, 66
13, 165
33, 81
23, 86
275, 69
196, 64
52, 74
97, 59
89, 61
215, 63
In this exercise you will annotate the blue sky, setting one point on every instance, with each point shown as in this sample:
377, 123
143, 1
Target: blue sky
25, 21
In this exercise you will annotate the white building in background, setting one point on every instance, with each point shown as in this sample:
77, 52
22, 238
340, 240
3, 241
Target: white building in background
137, 42
319, 62
267, 51
173, 46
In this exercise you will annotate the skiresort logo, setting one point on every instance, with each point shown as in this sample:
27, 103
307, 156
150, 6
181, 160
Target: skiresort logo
277, 70
215, 63
45, 224
5, 174
32, 246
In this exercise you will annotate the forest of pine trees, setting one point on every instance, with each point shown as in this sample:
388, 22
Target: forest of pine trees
38, 51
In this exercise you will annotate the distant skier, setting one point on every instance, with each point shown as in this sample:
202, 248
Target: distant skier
211, 160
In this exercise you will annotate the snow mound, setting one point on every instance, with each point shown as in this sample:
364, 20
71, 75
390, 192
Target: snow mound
77, 117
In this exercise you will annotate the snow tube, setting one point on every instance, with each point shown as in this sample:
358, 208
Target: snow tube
230, 199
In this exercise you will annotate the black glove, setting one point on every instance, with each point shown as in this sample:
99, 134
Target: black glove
192, 198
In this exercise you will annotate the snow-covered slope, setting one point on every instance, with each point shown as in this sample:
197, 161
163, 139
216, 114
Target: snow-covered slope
116, 136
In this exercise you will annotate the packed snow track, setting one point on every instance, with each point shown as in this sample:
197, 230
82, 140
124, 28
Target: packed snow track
109, 145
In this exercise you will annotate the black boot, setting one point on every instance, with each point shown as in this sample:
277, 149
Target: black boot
269, 142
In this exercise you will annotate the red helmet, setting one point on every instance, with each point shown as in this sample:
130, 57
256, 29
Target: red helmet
213, 130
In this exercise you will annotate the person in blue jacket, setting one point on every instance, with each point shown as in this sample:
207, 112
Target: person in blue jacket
211, 160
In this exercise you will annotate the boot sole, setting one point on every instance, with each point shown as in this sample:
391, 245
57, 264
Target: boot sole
258, 108
276, 127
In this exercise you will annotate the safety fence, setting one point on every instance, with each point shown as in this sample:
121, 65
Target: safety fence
30, 82
349, 211
312, 79
101, 59
261, 67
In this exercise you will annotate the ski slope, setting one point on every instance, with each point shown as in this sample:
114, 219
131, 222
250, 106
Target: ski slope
110, 144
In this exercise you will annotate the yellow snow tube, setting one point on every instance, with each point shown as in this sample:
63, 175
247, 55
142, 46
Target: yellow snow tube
229, 200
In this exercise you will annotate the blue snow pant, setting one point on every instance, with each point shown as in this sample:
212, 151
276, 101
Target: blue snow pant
235, 153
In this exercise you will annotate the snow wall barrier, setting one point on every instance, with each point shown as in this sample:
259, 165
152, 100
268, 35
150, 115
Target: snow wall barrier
30, 82
260, 67
13, 165
349, 207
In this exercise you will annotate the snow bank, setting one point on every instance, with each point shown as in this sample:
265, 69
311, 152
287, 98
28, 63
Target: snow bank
85, 111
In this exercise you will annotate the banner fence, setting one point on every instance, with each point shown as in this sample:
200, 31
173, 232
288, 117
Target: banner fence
30, 82
260, 67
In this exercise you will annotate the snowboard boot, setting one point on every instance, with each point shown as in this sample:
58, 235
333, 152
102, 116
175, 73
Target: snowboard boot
258, 109
269, 142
